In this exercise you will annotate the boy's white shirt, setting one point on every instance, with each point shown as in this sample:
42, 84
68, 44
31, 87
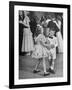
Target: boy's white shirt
53, 41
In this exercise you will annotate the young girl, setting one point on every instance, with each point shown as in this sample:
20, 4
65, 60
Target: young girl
40, 51
53, 44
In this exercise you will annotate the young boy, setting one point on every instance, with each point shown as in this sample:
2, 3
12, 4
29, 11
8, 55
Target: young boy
53, 44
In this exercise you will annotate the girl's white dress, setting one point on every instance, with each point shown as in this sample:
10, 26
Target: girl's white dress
27, 44
39, 50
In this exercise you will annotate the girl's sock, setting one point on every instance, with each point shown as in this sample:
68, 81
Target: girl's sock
37, 65
44, 65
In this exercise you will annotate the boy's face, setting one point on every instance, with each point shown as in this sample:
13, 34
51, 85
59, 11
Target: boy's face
51, 33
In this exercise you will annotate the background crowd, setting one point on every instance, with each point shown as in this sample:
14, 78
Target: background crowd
28, 22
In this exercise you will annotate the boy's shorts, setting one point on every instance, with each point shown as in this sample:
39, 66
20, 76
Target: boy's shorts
52, 54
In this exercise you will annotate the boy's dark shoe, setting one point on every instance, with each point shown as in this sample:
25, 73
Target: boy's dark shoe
46, 73
51, 71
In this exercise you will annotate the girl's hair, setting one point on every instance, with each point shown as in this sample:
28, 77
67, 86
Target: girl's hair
38, 31
42, 19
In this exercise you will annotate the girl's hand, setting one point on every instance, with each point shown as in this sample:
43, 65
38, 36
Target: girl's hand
52, 46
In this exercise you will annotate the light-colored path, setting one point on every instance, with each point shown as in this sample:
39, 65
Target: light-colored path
27, 64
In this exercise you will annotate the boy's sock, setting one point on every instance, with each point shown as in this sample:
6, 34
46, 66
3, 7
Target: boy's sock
52, 64
51, 69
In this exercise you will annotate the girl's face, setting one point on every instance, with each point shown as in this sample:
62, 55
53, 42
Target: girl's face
51, 33
47, 32
40, 30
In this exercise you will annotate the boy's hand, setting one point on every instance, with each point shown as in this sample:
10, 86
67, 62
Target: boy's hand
52, 46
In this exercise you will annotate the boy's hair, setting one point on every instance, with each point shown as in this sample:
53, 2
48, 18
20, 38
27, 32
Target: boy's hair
53, 26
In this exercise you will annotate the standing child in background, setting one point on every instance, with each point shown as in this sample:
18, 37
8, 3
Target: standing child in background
40, 51
53, 44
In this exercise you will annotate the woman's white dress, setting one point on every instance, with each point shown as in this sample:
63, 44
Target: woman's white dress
60, 42
39, 50
27, 43
59, 37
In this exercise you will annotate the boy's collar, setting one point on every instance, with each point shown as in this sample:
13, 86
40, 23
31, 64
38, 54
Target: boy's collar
51, 36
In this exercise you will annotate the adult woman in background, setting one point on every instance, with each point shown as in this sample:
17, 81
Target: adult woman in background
27, 44
21, 27
59, 35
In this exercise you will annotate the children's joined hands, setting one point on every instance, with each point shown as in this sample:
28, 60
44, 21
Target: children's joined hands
52, 46
48, 47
